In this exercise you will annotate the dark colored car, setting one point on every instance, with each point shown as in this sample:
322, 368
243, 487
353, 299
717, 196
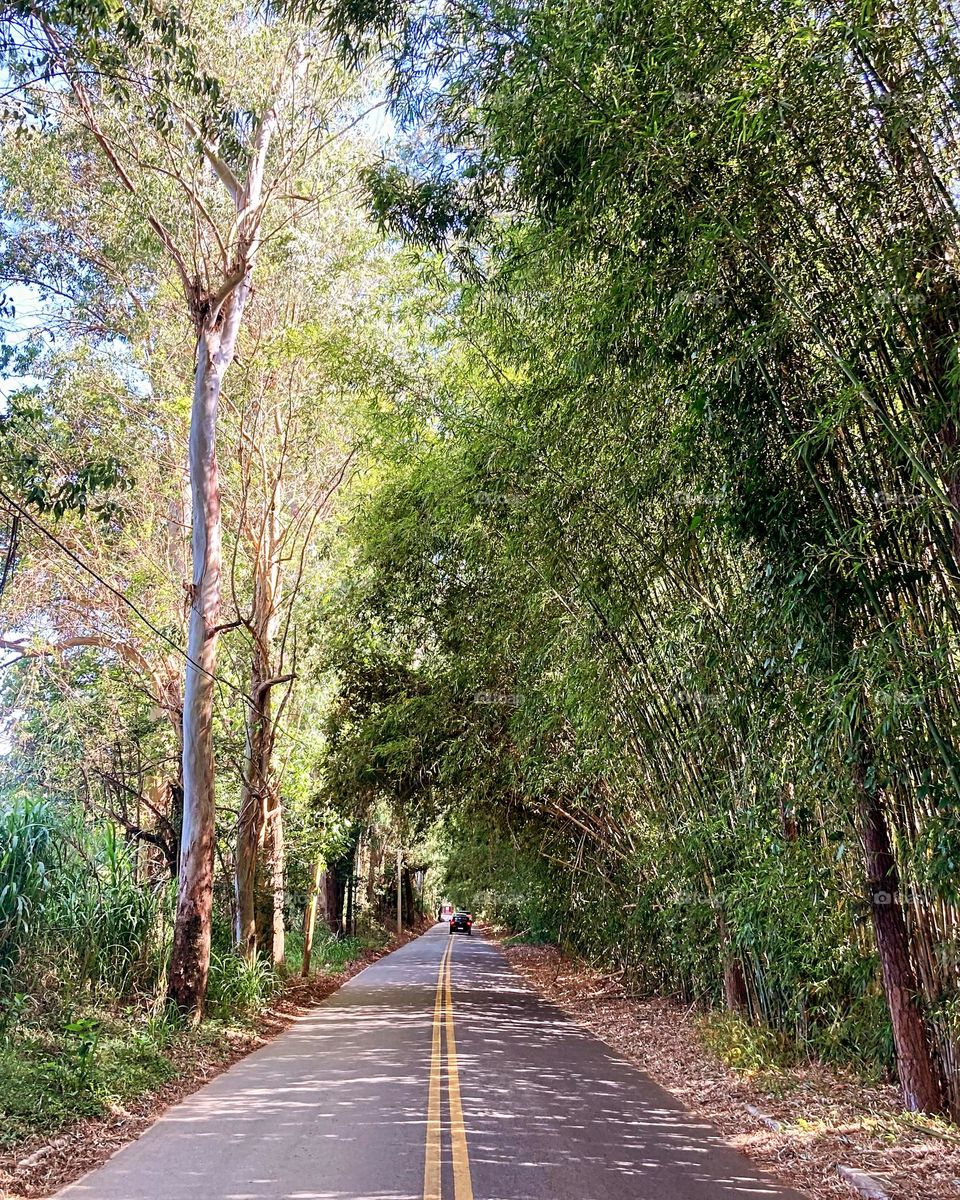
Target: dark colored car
461, 922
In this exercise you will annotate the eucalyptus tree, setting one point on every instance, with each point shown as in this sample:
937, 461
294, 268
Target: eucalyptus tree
289, 426
207, 148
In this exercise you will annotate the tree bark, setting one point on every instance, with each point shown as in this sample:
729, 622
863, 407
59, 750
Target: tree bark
916, 1067
330, 896
408, 896
348, 923
190, 957
399, 891
277, 865
259, 826
260, 819
375, 857
735, 994
254, 798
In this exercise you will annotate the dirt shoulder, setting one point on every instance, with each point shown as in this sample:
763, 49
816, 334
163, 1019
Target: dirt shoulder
37, 1168
826, 1119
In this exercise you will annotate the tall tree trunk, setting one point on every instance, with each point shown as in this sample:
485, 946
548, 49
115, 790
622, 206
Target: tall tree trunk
916, 1066
408, 896
260, 819
190, 957
375, 857
348, 924
399, 891
735, 994
736, 997
330, 900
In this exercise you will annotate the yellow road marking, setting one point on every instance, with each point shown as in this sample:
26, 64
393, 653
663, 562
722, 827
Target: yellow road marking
431, 1168
443, 1018
462, 1184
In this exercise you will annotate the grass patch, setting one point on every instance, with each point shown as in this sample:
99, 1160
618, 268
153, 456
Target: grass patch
237, 988
64, 1066
331, 954
49, 1077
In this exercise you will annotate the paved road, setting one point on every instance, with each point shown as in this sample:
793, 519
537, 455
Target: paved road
368, 1098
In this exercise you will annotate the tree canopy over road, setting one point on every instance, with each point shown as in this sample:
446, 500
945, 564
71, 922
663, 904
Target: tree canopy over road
521, 435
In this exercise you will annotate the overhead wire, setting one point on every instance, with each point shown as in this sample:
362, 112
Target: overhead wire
25, 514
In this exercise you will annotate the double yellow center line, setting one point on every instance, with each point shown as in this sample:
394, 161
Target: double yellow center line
443, 1020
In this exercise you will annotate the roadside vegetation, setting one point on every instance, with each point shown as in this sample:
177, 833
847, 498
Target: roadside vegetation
85, 1025
658, 583
509, 455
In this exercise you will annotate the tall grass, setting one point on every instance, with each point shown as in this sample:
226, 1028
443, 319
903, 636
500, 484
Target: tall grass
75, 920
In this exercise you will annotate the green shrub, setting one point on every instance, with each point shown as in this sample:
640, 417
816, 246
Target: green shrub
744, 1046
27, 838
50, 1077
237, 987
73, 914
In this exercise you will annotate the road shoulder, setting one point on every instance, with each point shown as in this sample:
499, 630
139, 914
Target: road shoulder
798, 1124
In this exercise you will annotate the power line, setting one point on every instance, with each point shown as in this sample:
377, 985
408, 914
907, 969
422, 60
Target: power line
134, 608
28, 516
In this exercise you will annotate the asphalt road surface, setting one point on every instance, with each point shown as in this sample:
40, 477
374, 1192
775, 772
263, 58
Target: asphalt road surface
369, 1097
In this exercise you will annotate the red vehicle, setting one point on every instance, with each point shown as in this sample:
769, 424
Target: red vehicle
446, 911
461, 922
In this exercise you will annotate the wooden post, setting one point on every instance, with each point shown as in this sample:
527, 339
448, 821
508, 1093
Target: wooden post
310, 919
399, 891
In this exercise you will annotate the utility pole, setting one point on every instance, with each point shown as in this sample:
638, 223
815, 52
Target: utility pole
399, 891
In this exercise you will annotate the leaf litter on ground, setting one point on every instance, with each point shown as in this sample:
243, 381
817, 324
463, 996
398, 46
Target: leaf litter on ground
827, 1117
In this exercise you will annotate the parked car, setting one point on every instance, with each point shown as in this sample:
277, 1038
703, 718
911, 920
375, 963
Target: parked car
461, 922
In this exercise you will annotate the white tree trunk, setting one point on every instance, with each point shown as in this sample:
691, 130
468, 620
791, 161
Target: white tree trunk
190, 958
278, 869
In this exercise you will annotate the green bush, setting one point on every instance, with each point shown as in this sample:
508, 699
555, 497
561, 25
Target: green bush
237, 987
27, 837
745, 1046
73, 914
51, 1076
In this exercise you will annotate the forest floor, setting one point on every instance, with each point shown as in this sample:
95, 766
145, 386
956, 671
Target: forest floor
64, 1111
799, 1122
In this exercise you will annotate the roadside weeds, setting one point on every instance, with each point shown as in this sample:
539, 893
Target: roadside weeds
38, 1167
799, 1123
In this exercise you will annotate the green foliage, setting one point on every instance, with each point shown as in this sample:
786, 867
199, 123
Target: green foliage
657, 578
746, 1047
50, 1076
646, 578
75, 915
25, 854
237, 986
332, 954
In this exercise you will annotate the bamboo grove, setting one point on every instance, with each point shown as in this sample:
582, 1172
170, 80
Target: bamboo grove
675, 553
